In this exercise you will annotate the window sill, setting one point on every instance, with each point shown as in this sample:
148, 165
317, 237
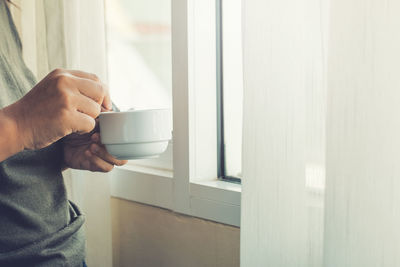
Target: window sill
216, 200
213, 200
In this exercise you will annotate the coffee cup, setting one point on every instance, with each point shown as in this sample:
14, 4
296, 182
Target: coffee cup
136, 134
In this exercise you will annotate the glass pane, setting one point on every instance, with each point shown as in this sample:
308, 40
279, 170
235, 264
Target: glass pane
232, 86
139, 53
139, 59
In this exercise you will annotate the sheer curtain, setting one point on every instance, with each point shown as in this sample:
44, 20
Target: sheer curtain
71, 34
321, 178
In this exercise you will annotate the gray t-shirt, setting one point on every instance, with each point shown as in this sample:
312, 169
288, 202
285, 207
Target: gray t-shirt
38, 225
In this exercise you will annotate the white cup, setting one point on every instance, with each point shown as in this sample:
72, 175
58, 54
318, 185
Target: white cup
136, 134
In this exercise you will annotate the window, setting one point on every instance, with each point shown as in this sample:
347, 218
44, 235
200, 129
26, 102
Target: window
163, 52
139, 59
229, 88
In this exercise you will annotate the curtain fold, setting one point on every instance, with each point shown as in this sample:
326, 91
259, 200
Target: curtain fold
321, 179
283, 133
71, 34
362, 209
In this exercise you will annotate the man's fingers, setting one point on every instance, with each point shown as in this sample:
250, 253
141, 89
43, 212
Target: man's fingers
85, 75
91, 89
107, 100
101, 152
97, 164
93, 77
82, 123
95, 137
88, 106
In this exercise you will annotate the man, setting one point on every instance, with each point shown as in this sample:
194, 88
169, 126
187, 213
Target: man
44, 130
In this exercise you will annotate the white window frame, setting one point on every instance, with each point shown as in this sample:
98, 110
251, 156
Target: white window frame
193, 187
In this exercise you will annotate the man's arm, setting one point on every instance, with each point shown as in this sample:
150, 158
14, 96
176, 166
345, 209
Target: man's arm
9, 136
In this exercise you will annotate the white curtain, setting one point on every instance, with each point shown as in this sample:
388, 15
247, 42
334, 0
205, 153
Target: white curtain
321, 140
71, 34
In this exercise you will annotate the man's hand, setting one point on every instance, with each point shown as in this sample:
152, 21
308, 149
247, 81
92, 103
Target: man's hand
85, 152
64, 102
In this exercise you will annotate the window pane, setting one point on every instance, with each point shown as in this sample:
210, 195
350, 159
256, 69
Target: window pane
232, 86
139, 59
139, 53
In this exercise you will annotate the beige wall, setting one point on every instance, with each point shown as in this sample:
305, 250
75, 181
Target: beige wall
149, 236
